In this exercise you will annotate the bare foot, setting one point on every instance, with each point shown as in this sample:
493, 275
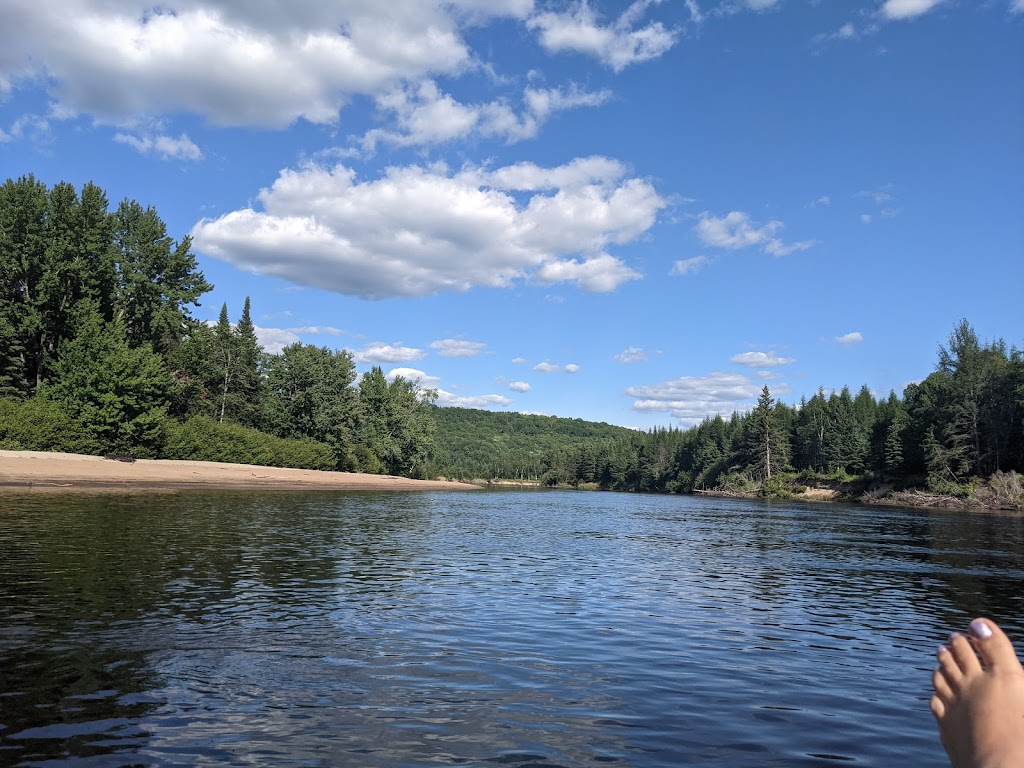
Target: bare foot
979, 699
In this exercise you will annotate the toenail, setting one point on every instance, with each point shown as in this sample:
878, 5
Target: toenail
943, 649
980, 629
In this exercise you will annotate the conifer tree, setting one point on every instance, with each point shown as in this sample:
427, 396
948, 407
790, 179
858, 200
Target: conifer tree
766, 444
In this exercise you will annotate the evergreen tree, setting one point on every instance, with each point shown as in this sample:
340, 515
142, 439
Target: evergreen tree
248, 383
157, 279
766, 444
811, 424
118, 392
845, 444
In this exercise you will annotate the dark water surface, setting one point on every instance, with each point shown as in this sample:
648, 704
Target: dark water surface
483, 629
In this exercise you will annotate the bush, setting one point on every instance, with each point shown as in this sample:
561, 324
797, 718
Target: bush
781, 487
39, 424
204, 439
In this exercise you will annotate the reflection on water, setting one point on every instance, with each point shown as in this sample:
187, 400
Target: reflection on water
505, 628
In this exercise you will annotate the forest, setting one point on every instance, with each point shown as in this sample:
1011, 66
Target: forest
99, 354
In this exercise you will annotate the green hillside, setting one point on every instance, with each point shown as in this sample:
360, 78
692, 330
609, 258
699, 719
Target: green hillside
472, 443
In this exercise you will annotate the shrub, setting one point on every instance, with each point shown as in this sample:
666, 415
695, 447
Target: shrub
39, 424
204, 439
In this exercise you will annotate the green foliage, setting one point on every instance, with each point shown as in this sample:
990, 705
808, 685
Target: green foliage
39, 424
398, 427
309, 395
765, 448
118, 392
782, 486
201, 438
478, 444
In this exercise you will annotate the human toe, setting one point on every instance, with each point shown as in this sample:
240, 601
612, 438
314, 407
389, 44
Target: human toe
961, 658
993, 645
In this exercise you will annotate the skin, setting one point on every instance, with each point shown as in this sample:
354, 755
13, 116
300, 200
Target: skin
979, 699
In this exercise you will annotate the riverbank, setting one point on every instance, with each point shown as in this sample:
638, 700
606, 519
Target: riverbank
1003, 491
37, 471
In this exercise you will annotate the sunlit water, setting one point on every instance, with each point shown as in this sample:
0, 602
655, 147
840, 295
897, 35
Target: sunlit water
493, 628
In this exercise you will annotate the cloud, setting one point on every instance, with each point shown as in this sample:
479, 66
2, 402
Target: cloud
457, 348
519, 386
856, 337
257, 64
422, 380
450, 400
388, 353
316, 330
632, 355
907, 9
547, 367
824, 200
761, 359
865, 218
273, 340
688, 266
424, 230
167, 147
424, 115
616, 45
881, 196
736, 230
1017, 6
519, 360
599, 274
692, 398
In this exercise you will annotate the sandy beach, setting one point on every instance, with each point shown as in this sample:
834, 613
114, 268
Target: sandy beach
37, 471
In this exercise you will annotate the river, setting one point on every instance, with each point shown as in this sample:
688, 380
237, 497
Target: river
499, 628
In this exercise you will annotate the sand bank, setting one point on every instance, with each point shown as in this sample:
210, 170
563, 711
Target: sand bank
37, 471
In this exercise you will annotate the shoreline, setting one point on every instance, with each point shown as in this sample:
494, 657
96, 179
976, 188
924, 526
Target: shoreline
40, 471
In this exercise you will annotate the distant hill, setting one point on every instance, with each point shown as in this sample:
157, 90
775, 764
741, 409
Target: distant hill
473, 443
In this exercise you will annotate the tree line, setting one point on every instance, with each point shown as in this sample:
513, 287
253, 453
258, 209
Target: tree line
963, 422
99, 353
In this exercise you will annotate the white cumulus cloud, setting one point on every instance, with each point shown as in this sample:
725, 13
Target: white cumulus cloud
388, 353
235, 63
519, 386
855, 337
688, 266
907, 9
547, 367
617, 44
692, 398
470, 401
761, 359
737, 230
424, 230
632, 355
572, 368
166, 147
273, 340
423, 114
422, 380
457, 347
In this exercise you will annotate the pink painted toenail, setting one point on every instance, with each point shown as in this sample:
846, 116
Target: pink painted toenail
943, 649
980, 629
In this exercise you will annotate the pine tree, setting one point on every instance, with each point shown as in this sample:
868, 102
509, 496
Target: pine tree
248, 384
766, 444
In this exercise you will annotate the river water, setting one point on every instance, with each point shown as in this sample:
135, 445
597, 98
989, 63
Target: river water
502, 628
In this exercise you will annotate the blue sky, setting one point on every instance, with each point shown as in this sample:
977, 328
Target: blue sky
633, 213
